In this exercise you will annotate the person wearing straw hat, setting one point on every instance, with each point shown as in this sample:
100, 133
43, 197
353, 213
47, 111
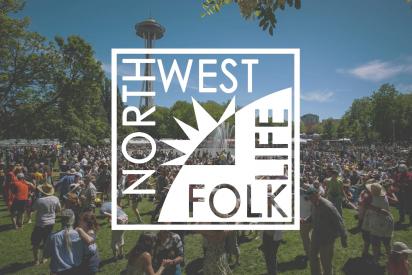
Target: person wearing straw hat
63, 185
398, 263
378, 220
46, 207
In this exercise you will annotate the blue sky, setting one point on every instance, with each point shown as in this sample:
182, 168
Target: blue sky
348, 48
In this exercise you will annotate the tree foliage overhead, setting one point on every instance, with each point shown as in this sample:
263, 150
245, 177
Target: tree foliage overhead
264, 11
49, 89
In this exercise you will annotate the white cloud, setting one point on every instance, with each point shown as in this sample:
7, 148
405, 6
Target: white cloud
317, 96
378, 70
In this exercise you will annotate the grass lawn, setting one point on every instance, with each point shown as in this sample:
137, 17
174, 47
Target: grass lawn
16, 256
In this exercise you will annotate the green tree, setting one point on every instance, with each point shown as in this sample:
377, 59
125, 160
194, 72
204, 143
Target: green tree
263, 11
356, 122
26, 71
403, 124
48, 89
329, 128
385, 111
79, 92
183, 111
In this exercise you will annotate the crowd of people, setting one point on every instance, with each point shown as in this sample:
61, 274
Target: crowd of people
74, 183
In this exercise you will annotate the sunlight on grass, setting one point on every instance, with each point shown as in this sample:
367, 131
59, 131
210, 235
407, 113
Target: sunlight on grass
16, 256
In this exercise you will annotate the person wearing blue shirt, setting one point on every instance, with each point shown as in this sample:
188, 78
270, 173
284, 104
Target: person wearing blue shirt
65, 248
63, 185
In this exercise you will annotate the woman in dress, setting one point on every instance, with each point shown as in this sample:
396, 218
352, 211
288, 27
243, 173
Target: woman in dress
140, 257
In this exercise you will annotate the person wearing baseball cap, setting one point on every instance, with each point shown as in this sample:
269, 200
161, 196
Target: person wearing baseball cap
398, 263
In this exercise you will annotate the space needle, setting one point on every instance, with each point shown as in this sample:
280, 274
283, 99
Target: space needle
150, 30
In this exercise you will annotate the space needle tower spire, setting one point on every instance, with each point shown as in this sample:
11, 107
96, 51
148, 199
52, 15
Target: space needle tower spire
150, 30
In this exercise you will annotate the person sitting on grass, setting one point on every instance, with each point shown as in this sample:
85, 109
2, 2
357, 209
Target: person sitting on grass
398, 263
141, 256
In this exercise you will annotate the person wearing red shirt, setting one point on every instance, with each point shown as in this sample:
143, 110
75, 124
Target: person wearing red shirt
21, 190
8, 182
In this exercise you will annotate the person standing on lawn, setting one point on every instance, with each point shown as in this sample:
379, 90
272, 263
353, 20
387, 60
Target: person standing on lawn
403, 181
270, 244
21, 189
104, 180
334, 190
87, 230
117, 242
305, 226
378, 220
88, 194
46, 208
8, 182
63, 185
327, 225
65, 248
